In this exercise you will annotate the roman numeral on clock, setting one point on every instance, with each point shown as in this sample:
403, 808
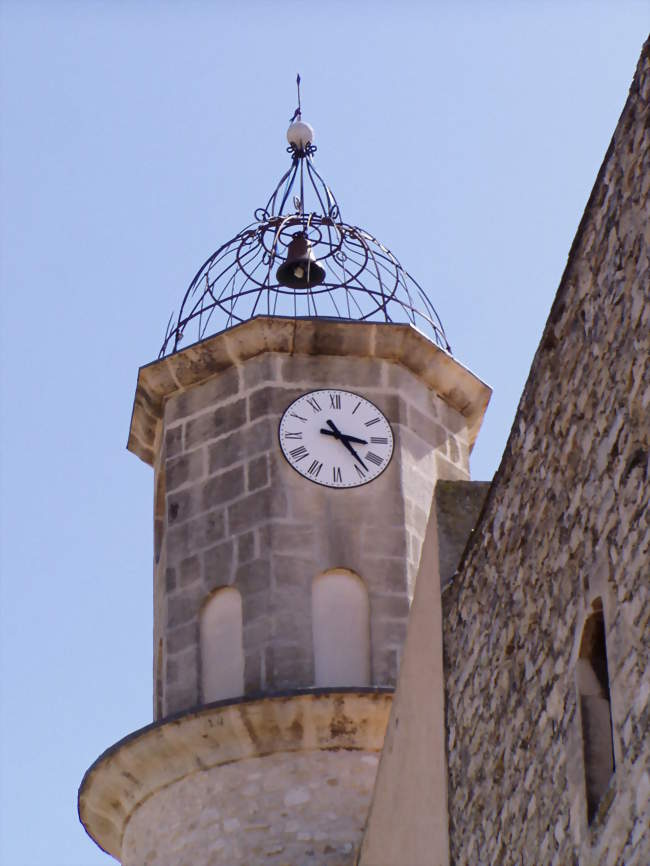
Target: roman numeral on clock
325, 444
315, 405
315, 468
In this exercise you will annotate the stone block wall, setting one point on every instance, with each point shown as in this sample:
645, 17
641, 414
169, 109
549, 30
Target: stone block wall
277, 810
237, 514
282, 779
566, 526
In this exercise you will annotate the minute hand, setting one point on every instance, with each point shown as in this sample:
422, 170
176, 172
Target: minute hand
344, 441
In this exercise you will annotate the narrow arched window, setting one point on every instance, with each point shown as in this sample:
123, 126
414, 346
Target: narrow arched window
222, 653
595, 709
341, 630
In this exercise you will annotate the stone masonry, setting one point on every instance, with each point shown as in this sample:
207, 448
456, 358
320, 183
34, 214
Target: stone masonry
276, 810
566, 527
283, 772
235, 513
282, 779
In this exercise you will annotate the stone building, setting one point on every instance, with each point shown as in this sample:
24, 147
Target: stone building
300, 575
545, 624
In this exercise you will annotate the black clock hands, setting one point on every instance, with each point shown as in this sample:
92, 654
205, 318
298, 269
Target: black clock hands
345, 440
344, 436
335, 414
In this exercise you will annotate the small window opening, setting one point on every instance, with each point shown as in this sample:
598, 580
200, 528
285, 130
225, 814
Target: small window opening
595, 710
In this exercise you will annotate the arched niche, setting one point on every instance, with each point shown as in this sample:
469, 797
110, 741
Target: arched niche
595, 709
222, 652
341, 629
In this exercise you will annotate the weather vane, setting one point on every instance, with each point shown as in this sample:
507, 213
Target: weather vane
300, 259
297, 113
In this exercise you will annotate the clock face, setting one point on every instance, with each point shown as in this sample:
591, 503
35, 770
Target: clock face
336, 438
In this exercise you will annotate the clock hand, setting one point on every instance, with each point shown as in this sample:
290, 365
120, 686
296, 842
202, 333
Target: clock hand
344, 441
337, 433
353, 453
335, 430
344, 436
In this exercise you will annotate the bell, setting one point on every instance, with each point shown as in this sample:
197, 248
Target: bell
300, 270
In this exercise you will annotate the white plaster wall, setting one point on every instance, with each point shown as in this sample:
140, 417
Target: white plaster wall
280, 810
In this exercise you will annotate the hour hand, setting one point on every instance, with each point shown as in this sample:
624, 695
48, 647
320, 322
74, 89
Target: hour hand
344, 436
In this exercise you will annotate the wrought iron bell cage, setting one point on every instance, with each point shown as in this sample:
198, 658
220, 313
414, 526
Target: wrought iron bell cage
363, 280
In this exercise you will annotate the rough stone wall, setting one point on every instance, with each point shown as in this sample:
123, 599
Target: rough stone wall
237, 514
277, 810
566, 523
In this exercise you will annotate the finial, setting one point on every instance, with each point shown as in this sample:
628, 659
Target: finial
297, 112
300, 135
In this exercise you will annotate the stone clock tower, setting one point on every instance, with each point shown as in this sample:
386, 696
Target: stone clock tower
296, 439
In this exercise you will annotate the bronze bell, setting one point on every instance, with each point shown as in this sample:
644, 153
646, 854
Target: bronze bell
300, 270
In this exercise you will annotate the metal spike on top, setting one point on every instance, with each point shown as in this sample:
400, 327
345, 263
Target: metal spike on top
299, 259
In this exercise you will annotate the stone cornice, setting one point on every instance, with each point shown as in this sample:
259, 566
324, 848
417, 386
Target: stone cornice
150, 759
402, 344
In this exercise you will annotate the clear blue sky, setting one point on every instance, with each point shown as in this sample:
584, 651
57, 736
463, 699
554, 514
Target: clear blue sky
139, 136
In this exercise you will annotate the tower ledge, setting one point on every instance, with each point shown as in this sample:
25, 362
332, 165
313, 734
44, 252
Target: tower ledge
161, 757
400, 343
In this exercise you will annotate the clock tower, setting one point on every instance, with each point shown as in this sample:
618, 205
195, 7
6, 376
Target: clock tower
304, 404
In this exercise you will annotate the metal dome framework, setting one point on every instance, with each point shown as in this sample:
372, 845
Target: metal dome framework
363, 281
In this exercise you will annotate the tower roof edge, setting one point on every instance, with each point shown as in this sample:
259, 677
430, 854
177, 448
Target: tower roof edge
397, 342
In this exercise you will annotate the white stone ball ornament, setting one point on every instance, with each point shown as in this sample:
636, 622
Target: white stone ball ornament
300, 134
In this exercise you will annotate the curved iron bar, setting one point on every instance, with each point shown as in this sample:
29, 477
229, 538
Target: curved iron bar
364, 281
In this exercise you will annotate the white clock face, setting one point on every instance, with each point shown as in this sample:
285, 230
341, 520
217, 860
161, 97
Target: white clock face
336, 438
